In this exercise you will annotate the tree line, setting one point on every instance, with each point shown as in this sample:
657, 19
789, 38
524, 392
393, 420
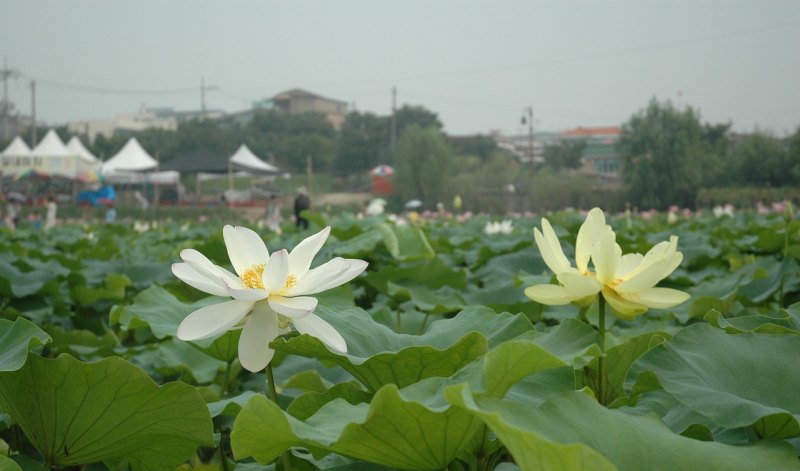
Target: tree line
668, 156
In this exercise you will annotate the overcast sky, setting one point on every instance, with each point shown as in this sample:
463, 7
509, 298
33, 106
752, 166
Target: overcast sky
477, 64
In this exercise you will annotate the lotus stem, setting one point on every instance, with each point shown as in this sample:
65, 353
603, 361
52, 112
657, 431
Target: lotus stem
601, 369
273, 394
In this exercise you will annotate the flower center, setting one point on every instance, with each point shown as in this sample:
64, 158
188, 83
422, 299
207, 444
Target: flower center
291, 280
252, 277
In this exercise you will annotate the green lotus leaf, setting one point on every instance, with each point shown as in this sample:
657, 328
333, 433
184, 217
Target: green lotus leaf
16, 338
230, 405
7, 464
433, 273
77, 413
391, 431
574, 432
406, 243
172, 357
309, 403
779, 323
15, 282
157, 309
113, 290
439, 301
737, 381
377, 355
572, 341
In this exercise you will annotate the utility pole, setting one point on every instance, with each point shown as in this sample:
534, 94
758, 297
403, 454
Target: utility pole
203, 90
394, 118
527, 116
34, 138
5, 74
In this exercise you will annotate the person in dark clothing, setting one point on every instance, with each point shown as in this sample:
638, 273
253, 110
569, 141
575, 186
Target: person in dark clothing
301, 203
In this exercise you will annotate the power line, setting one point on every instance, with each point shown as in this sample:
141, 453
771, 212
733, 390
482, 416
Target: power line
111, 91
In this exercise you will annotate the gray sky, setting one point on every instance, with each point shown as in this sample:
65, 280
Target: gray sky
476, 63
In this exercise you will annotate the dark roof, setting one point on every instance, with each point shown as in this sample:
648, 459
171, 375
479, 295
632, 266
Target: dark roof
198, 160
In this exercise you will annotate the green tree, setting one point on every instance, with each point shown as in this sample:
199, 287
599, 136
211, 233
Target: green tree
297, 148
409, 115
424, 163
363, 143
761, 159
565, 154
664, 156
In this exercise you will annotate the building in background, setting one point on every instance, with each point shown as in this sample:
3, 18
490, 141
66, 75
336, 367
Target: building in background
297, 101
600, 156
146, 118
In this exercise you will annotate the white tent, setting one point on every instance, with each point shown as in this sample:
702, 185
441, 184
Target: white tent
76, 146
131, 158
244, 157
51, 157
17, 148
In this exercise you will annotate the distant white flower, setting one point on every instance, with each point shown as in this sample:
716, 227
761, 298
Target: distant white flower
720, 211
627, 282
504, 227
269, 293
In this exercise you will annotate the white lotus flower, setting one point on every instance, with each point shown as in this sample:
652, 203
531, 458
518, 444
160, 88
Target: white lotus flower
504, 227
269, 293
627, 281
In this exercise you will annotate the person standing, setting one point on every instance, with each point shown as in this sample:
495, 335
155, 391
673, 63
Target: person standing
301, 203
50, 215
273, 215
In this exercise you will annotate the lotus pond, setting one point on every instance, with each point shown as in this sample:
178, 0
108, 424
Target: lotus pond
448, 365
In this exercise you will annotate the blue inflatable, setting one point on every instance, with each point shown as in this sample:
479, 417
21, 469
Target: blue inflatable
105, 196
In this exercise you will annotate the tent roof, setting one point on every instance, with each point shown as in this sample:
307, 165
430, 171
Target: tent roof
132, 157
17, 147
245, 158
198, 160
52, 146
76, 146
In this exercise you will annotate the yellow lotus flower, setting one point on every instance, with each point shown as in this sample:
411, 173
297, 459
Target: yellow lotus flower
627, 282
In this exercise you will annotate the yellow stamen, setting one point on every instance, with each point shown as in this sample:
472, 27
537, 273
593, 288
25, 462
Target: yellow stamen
252, 277
291, 280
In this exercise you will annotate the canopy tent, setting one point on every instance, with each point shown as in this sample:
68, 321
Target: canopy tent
131, 158
50, 158
17, 148
76, 146
247, 160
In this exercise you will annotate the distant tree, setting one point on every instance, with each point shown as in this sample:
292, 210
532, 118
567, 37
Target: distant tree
565, 154
664, 156
794, 155
295, 150
761, 159
363, 143
409, 115
479, 145
424, 164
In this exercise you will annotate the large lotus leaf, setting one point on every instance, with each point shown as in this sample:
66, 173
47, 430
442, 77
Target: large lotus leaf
406, 243
621, 357
77, 413
736, 380
360, 246
16, 338
777, 323
574, 432
392, 431
377, 355
572, 341
231, 405
158, 309
18, 283
309, 403
766, 276
172, 357
439, 301
433, 273
6, 464
142, 272
113, 290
